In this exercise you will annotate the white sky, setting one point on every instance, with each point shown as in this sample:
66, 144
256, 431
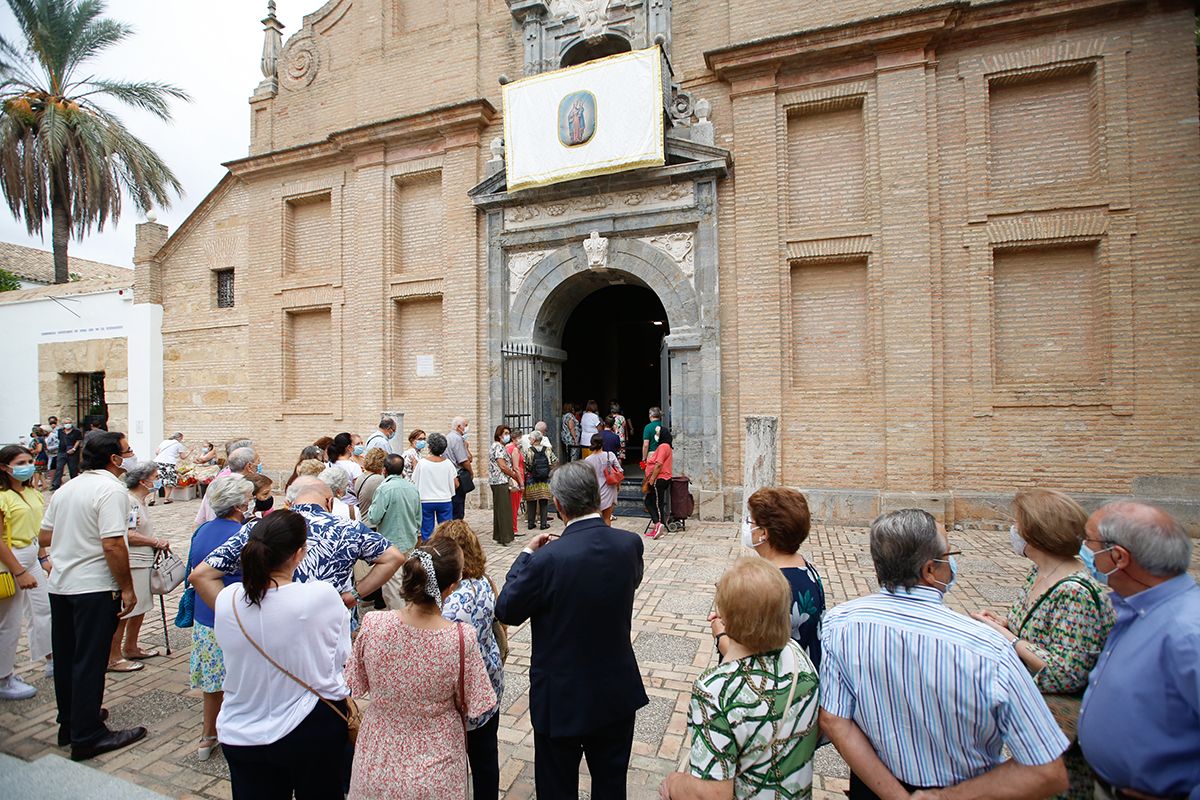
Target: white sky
211, 50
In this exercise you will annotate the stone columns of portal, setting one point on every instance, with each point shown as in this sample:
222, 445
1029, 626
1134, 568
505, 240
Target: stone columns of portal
907, 285
760, 456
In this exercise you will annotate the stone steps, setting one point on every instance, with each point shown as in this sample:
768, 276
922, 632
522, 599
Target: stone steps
53, 777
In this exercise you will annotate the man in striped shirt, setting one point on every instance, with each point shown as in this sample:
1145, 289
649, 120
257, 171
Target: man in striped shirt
916, 696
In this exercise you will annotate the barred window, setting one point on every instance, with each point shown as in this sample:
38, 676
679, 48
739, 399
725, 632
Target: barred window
224, 279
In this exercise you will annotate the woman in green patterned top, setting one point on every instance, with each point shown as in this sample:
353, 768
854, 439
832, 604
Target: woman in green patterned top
753, 718
1061, 618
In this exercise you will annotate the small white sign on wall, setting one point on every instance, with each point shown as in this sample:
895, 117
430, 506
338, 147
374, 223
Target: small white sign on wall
425, 367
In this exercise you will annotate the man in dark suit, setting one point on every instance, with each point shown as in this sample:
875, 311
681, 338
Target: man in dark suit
584, 684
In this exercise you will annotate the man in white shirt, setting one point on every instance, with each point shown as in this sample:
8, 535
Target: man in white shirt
382, 438
90, 586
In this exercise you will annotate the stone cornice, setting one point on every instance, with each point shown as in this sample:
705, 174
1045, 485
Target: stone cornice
459, 118
923, 27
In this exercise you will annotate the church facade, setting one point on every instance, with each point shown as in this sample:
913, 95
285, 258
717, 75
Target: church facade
895, 253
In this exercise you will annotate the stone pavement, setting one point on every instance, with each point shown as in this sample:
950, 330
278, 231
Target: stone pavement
671, 639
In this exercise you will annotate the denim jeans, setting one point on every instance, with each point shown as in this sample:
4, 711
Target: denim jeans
432, 515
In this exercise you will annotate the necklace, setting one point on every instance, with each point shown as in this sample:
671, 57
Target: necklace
1048, 581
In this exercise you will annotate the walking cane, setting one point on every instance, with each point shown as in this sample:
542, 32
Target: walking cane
162, 606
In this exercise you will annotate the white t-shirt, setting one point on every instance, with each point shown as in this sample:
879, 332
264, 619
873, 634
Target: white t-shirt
435, 480
87, 509
168, 451
591, 426
303, 626
351, 468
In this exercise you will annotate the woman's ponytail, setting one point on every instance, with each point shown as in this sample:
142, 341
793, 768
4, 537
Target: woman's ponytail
271, 543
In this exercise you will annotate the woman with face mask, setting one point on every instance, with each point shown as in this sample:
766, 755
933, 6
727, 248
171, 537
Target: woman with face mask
1061, 618
500, 472
29, 565
415, 452
777, 524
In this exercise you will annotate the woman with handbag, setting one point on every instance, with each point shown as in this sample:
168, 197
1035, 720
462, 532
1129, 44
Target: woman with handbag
229, 496
1060, 620
24, 567
125, 654
284, 723
473, 601
609, 475
426, 680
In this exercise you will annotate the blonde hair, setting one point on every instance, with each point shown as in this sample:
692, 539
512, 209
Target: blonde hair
310, 466
754, 601
459, 532
1050, 521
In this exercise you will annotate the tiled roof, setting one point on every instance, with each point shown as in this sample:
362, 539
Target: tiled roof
31, 264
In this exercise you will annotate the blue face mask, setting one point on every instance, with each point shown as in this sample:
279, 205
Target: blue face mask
420, 445
259, 469
359, 450
1088, 557
24, 472
953, 573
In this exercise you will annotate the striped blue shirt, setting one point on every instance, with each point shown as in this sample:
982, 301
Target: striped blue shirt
937, 694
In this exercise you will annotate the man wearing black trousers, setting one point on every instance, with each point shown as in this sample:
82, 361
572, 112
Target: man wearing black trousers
585, 686
70, 441
90, 587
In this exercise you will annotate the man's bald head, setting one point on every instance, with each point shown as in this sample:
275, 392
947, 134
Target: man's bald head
1156, 541
309, 489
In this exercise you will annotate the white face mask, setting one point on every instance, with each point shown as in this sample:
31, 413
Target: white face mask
1018, 544
748, 535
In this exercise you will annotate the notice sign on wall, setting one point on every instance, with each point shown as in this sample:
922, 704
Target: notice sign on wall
599, 117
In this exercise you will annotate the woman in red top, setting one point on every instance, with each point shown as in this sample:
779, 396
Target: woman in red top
656, 486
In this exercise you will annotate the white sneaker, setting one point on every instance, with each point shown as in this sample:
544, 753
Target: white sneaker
13, 688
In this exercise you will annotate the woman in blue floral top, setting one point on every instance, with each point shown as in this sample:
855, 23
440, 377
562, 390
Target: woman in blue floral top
776, 527
473, 601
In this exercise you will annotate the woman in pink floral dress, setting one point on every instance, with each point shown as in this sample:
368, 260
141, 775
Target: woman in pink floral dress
408, 662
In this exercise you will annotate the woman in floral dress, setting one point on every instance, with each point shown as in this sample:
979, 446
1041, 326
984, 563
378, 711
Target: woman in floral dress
778, 524
411, 745
473, 601
1060, 619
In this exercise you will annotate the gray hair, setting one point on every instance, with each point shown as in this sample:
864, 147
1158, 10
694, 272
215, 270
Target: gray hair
138, 473
574, 487
241, 458
902, 543
459, 420
541, 426
437, 443
228, 493
336, 478
535, 437
307, 485
655, 412
236, 444
178, 436
1155, 539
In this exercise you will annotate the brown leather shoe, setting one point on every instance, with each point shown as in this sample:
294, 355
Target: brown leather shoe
113, 740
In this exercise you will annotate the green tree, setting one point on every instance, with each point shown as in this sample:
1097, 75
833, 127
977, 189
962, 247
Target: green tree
62, 155
8, 281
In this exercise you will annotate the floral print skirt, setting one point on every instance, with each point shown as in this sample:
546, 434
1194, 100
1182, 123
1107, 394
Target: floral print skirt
169, 474
208, 663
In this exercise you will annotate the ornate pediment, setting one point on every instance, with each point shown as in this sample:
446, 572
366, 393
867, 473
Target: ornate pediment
553, 29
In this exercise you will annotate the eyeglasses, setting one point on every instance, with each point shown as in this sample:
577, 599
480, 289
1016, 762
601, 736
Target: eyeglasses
127, 452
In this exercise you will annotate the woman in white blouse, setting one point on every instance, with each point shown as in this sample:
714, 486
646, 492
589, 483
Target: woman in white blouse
282, 725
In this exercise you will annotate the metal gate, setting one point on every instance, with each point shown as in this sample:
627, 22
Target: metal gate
524, 386
89, 399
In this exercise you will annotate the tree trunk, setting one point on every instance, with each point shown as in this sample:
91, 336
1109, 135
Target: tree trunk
60, 231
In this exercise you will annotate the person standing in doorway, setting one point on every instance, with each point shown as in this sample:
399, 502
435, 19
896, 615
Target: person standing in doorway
656, 486
586, 688
70, 442
589, 426
621, 427
90, 589
650, 433
539, 458
516, 487
569, 433
459, 454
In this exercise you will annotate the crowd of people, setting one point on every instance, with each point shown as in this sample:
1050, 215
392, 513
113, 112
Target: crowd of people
367, 582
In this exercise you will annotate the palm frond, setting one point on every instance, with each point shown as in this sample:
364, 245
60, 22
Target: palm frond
151, 96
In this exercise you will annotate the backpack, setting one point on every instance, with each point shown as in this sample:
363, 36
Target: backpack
539, 466
52, 442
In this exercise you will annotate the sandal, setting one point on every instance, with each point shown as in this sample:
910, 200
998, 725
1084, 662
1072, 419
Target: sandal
207, 745
142, 654
124, 665
168, 501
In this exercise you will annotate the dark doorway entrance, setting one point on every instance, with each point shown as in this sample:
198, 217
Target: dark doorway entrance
613, 340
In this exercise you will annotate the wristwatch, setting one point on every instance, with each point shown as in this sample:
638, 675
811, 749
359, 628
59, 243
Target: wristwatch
355, 594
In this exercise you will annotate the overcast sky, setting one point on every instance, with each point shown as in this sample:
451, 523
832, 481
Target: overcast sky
211, 50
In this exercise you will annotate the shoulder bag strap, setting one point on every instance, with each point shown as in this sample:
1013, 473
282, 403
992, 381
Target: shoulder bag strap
1070, 578
279, 666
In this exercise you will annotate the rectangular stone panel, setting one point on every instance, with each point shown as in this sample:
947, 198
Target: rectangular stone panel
1048, 322
827, 165
311, 244
1043, 129
830, 324
308, 350
419, 363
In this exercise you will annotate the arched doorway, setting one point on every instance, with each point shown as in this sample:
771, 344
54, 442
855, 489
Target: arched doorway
613, 341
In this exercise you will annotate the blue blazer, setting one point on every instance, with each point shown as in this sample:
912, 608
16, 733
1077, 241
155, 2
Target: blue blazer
578, 592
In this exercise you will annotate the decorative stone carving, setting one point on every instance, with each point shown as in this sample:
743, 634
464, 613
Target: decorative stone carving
679, 247
519, 267
596, 247
681, 107
302, 60
272, 43
592, 15
662, 198
550, 28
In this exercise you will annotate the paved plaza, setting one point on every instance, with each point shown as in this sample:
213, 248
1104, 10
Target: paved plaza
671, 639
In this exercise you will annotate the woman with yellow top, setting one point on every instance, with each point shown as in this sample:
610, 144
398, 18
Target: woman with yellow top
21, 510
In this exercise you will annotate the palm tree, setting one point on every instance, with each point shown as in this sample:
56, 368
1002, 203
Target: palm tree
62, 155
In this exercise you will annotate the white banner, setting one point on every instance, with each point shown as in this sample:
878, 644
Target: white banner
599, 117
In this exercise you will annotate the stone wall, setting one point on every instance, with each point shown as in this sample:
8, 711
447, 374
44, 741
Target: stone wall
60, 362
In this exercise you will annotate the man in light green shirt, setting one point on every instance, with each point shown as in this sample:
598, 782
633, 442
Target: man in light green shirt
395, 512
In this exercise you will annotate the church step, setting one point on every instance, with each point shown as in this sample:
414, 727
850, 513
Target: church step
53, 777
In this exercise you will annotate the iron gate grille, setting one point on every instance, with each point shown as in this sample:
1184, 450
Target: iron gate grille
523, 386
89, 398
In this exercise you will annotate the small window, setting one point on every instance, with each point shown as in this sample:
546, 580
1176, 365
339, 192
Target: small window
224, 288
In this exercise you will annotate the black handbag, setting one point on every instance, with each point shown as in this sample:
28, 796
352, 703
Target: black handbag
466, 484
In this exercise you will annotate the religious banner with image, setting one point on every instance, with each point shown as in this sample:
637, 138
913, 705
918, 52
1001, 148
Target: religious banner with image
592, 119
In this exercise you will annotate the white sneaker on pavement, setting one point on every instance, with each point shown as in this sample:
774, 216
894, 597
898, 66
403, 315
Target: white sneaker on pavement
13, 688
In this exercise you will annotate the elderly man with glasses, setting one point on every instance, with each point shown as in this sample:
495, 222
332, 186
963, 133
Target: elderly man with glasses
1140, 722
918, 697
